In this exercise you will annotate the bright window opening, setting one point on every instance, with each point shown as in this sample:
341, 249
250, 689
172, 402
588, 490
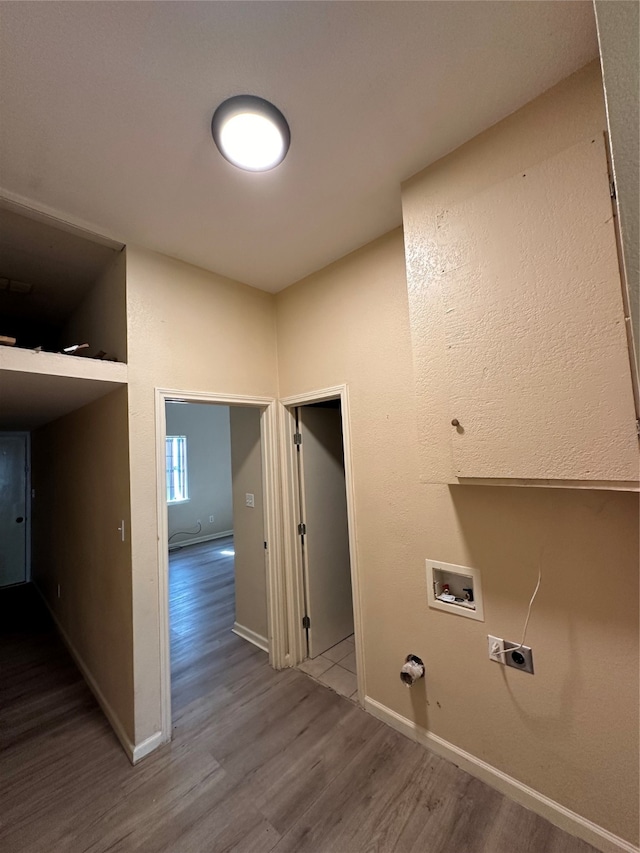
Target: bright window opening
177, 483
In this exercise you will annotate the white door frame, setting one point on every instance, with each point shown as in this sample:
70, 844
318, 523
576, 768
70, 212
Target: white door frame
294, 569
27, 507
276, 613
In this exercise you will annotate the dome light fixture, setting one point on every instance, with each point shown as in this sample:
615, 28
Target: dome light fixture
251, 133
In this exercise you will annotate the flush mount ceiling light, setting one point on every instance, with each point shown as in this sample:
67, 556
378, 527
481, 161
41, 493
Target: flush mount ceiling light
251, 133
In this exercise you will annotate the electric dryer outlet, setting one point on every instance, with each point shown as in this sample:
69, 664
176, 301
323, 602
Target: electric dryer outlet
510, 654
521, 657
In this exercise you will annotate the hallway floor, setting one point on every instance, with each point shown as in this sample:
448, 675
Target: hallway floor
261, 761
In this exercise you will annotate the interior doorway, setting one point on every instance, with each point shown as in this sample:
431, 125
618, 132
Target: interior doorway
324, 537
326, 640
232, 530
217, 565
14, 506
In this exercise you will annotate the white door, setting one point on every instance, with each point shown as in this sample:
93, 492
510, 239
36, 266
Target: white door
326, 538
13, 508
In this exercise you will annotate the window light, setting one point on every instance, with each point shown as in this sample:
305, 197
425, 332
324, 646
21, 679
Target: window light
176, 467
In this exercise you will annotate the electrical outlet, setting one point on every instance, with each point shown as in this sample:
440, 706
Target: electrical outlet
250, 499
520, 659
210, 519
496, 645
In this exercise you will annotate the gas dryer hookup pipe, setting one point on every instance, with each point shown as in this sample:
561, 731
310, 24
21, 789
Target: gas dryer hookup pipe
412, 670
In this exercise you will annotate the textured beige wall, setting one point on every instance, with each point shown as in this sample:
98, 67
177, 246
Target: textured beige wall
206, 427
524, 278
562, 117
618, 28
248, 522
188, 330
571, 730
80, 473
101, 318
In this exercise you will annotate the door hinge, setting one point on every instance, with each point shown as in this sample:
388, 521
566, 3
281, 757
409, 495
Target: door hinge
302, 529
297, 438
638, 426
612, 188
306, 622
265, 546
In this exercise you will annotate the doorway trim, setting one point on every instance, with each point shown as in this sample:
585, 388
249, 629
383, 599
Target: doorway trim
276, 613
291, 544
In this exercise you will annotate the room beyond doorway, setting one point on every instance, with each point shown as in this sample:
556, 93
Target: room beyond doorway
260, 413
202, 614
214, 484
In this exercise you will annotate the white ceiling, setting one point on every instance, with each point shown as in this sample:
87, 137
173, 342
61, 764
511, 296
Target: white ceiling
105, 111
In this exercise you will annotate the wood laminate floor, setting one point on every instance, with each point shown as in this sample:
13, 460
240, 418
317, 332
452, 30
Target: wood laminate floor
261, 761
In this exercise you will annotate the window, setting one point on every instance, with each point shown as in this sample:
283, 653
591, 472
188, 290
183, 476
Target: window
177, 489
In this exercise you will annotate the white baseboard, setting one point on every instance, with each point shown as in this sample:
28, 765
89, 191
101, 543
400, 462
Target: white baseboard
247, 634
554, 812
196, 539
147, 746
108, 711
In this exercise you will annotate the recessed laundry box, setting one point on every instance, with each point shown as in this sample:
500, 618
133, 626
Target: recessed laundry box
456, 589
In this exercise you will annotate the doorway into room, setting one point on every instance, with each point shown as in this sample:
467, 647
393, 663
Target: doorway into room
217, 566
216, 518
324, 548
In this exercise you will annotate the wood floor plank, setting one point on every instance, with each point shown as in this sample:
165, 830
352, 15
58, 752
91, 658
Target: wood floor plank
287, 783
423, 810
344, 817
232, 825
260, 762
160, 793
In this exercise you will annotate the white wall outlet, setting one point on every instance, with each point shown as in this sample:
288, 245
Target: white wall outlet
210, 519
250, 499
496, 645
